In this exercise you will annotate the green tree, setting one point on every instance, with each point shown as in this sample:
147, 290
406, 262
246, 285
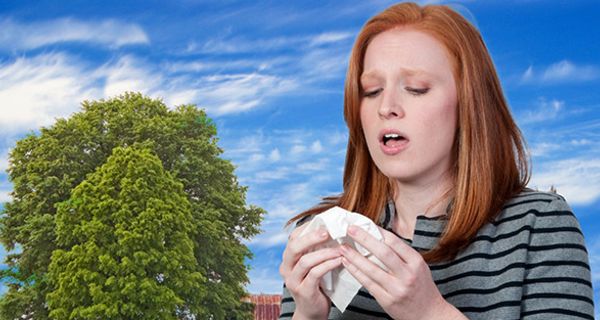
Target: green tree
128, 227
46, 167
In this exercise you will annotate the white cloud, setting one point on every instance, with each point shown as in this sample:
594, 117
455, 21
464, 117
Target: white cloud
319, 165
244, 143
234, 45
37, 90
321, 64
185, 67
337, 137
271, 239
297, 149
269, 175
110, 33
235, 93
578, 179
295, 182
5, 196
581, 142
543, 110
266, 279
34, 91
528, 74
129, 74
243, 45
316, 147
275, 156
256, 157
330, 37
544, 148
561, 71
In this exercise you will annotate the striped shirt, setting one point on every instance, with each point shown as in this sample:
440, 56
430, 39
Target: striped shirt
529, 263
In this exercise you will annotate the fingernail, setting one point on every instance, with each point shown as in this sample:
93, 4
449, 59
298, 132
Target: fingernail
344, 249
323, 234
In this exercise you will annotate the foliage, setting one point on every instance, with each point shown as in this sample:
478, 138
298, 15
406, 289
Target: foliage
128, 227
46, 168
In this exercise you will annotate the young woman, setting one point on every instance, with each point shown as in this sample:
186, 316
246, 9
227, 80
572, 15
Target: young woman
435, 158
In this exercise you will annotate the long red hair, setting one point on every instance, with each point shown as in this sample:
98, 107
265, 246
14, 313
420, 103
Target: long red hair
491, 164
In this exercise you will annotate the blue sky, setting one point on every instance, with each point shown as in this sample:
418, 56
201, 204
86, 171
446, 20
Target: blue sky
271, 76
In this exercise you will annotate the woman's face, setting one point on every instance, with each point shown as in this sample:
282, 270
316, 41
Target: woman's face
408, 109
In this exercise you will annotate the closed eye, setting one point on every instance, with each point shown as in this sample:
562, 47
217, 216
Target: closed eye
417, 91
372, 93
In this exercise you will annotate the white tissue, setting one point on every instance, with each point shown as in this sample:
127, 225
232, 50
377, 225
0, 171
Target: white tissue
339, 284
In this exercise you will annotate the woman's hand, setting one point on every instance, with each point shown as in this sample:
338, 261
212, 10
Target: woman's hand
406, 290
302, 271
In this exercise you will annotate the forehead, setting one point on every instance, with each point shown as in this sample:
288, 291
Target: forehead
407, 51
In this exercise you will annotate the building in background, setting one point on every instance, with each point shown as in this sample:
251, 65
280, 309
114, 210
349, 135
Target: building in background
266, 306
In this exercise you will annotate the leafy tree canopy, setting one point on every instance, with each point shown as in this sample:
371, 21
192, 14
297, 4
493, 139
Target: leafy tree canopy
52, 173
128, 227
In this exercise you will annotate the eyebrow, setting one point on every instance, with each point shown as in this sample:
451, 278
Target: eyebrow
405, 72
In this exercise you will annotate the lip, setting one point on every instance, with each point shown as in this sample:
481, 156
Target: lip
390, 151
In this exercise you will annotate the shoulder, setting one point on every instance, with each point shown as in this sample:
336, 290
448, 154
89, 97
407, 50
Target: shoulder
541, 215
532, 205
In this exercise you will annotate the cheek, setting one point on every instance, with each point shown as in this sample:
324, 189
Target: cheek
440, 124
447, 125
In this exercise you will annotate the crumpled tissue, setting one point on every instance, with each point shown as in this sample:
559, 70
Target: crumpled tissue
339, 284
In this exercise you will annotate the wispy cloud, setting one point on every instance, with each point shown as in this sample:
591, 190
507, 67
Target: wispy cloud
265, 276
330, 37
265, 156
288, 171
235, 93
129, 73
561, 71
235, 45
34, 91
542, 110
578, 179
544, 148
110, 33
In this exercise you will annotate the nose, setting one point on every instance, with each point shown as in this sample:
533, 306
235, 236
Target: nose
391, 106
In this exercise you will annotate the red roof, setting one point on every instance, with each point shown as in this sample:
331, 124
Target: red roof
266, 306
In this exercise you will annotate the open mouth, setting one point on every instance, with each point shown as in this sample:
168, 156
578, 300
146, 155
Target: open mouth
393, 139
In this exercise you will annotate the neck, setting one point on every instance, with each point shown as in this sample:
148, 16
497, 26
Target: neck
412, 200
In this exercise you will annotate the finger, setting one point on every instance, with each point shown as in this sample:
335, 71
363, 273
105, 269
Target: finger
297, 231
373, 272
378, 248
313, 278
375, 289
310, 260
298, 246
401, 248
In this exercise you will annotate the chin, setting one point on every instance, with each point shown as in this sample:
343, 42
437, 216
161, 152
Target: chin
397, 174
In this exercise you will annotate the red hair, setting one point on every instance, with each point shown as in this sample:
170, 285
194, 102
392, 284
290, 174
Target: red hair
491, 164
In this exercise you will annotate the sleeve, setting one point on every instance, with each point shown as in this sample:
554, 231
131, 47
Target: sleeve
557, 280
287, 305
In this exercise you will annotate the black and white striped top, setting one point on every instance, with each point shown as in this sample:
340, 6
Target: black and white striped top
529, 263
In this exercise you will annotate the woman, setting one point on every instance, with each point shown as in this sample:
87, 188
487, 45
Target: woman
435, 158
